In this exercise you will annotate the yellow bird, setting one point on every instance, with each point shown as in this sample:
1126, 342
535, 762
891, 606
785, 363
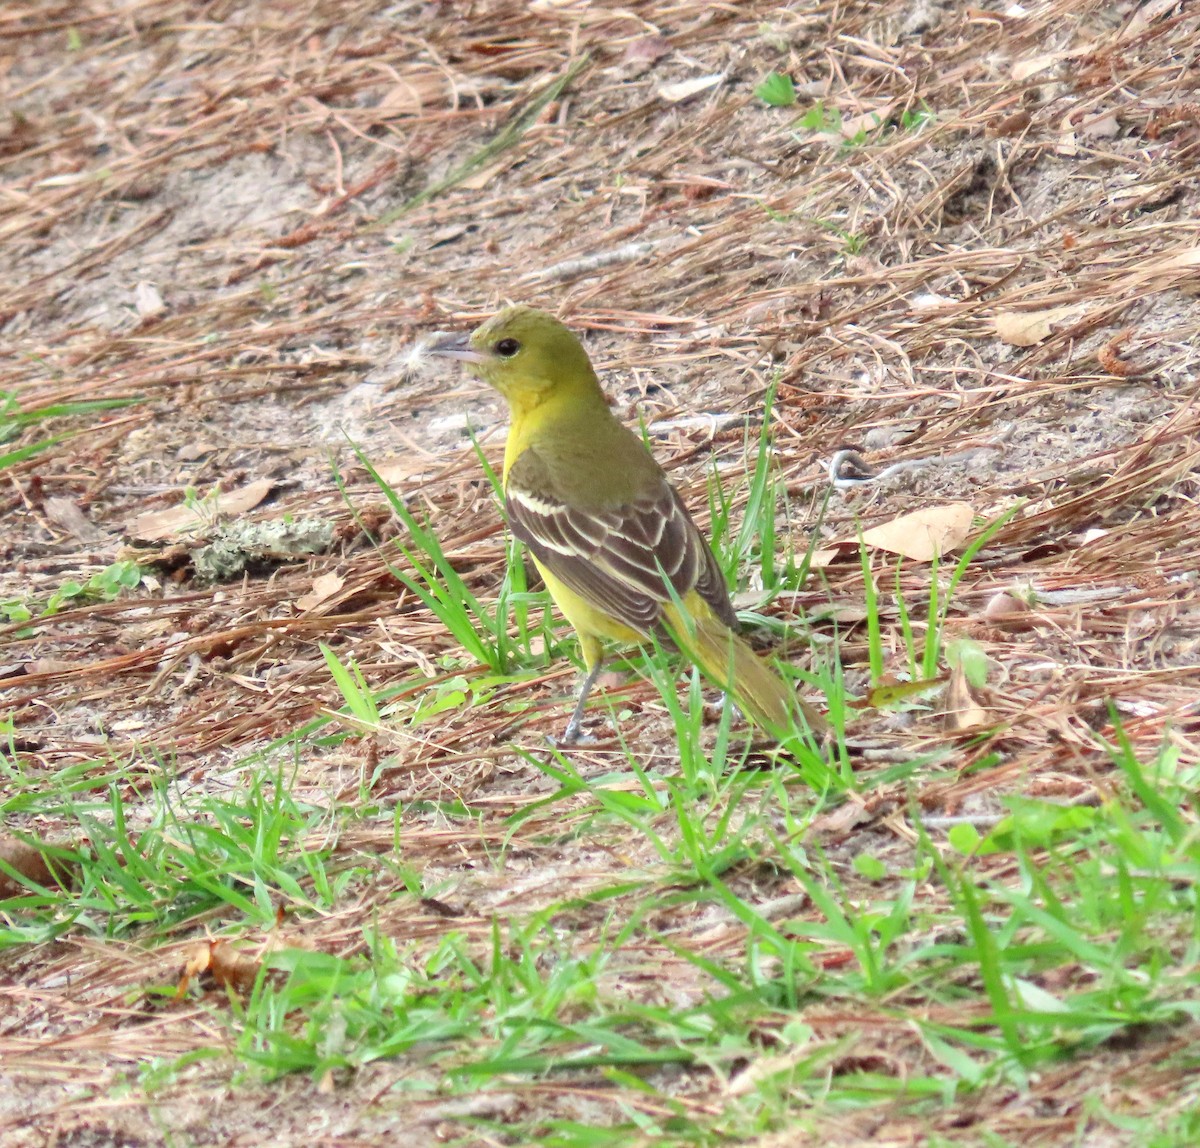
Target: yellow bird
617, 548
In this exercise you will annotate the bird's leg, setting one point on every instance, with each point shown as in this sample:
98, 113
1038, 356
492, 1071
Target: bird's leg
574, 731
593, 658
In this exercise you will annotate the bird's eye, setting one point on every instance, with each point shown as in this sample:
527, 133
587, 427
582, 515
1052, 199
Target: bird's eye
506, 348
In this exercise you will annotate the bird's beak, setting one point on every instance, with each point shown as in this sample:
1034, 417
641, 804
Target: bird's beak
456, 347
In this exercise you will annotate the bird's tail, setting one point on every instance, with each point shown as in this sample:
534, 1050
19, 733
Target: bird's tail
736, 668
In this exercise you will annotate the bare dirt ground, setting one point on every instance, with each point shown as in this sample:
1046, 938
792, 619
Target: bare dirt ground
242, 214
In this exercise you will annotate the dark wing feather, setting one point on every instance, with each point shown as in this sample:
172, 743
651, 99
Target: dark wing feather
615, 558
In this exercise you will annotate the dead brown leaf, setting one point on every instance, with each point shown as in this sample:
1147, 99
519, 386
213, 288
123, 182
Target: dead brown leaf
1170, 265
324, 586
1023, 69
924, 534
396, 471
961, 709
480, 179
157, 525
194, 451
686, 89
851, 126
31, 863
647, 49
63, 512
822, 558
228, 967
1028, 328
836, 826
49, 666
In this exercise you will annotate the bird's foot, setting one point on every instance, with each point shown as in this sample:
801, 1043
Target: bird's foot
572, 735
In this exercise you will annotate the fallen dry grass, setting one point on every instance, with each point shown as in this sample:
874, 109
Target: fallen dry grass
242, 214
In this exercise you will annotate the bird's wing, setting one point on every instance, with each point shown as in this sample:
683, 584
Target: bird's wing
616, 558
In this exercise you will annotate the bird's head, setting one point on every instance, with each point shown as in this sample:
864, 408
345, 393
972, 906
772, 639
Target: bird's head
524, 353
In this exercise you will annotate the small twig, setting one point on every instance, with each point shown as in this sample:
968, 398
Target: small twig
979, 820
586, 264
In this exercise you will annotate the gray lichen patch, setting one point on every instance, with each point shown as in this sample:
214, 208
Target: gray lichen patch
238, 545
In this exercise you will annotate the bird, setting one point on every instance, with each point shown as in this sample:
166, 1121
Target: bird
613, 541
